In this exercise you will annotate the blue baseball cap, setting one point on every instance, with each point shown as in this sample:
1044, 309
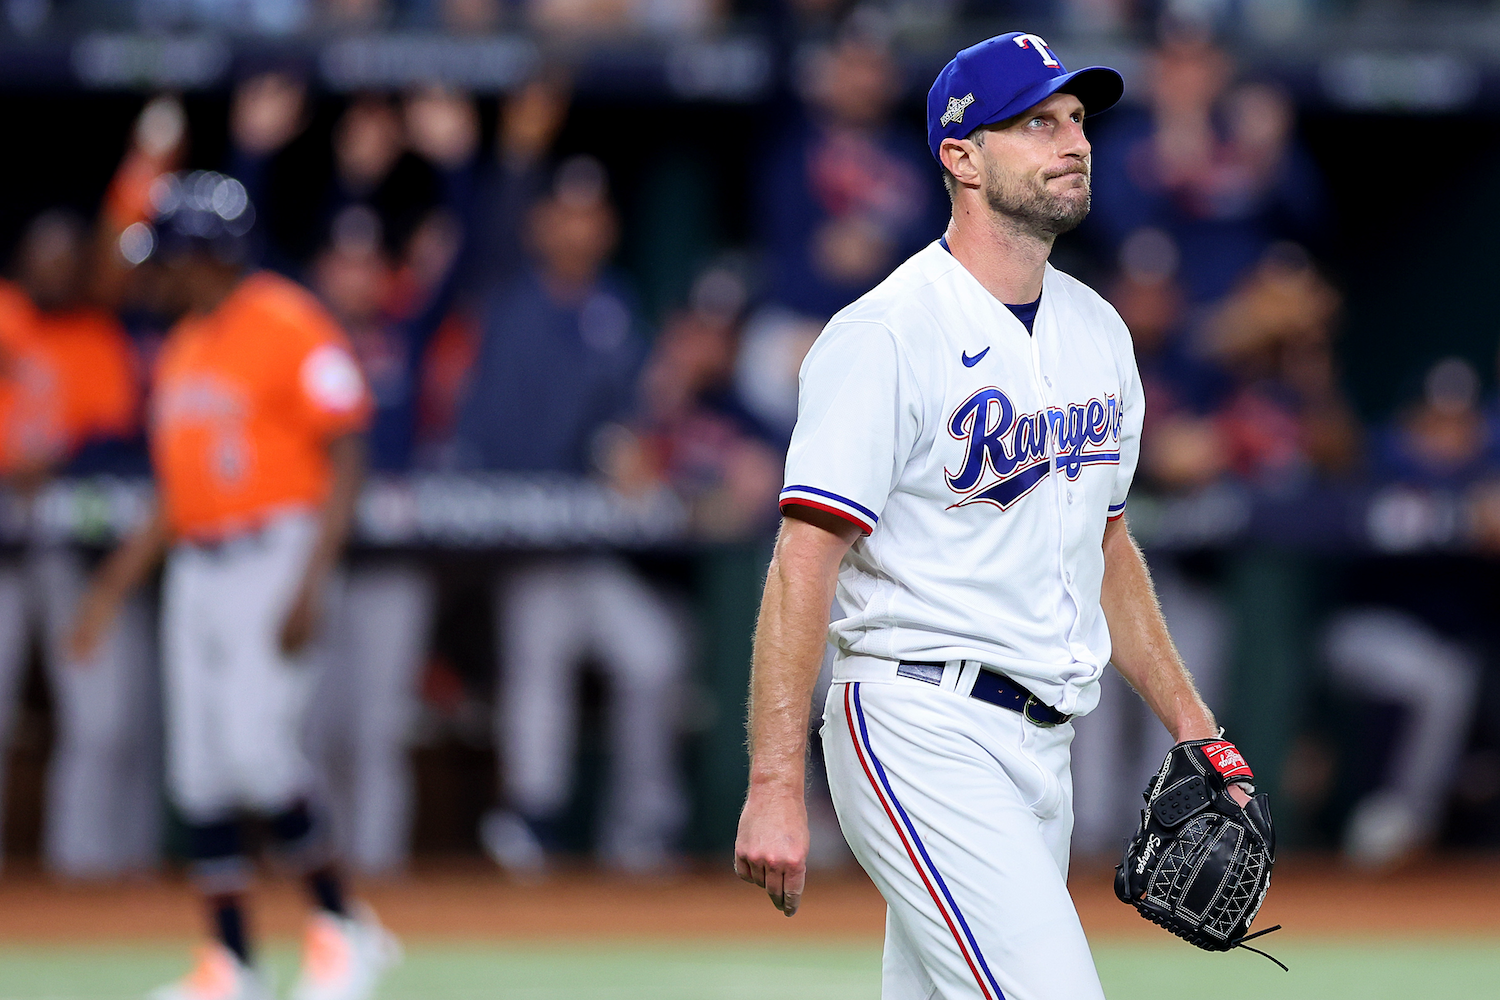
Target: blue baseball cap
1002, 77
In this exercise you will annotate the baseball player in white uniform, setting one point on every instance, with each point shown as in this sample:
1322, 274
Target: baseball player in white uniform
965, 441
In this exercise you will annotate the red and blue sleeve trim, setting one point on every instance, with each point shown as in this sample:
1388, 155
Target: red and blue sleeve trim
1116, 511
859, 515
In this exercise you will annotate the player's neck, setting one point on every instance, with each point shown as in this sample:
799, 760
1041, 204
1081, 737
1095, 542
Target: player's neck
1008, 260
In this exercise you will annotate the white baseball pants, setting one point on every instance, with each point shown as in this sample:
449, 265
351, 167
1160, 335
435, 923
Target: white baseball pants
1393, 656
103, 814
365, 707
234, 703
960, 811
551, 614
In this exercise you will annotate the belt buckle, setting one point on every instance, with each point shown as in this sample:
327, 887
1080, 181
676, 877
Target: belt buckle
1026, 712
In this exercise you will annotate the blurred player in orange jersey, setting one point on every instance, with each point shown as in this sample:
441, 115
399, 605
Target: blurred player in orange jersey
256, 438
68, 380
70, 370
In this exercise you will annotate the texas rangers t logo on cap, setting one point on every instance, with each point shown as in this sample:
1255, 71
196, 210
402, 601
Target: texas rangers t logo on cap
1004, 76
955, 112
1041, 46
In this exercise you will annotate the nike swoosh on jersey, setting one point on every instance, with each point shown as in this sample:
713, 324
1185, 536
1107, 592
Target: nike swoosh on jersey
971, 362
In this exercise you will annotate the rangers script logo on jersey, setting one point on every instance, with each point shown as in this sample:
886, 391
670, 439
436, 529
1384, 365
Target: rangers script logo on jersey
1006, 453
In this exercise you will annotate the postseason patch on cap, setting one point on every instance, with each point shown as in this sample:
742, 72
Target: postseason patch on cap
956, 105
1002, 77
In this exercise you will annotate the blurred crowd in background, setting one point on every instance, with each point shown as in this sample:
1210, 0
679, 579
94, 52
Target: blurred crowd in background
1278, 19
524, 305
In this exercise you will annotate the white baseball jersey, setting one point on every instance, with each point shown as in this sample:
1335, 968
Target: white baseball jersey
982, 463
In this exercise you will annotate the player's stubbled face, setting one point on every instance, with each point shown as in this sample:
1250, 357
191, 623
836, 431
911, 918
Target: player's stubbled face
1037, 167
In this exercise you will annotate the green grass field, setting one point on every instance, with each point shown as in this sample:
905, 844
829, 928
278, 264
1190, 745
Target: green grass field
653, 971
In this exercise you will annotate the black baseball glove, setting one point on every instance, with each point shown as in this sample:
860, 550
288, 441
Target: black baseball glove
1200, 864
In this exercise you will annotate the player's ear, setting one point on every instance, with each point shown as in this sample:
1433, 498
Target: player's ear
960, 157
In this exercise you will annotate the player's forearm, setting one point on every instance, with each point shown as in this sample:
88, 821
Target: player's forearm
1142, 648
789, 641
336, 519
784, 670
127, 566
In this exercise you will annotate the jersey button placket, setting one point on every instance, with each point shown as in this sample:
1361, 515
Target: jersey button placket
1053, 472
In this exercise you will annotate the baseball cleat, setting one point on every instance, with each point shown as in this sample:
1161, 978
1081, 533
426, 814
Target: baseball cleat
218, 974
344, 957
1383, 831
512, 844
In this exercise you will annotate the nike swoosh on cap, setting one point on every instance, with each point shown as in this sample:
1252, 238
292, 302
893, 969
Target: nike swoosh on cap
971, 362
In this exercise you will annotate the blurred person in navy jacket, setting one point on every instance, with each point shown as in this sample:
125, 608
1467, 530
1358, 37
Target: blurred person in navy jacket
560, 349
1213, 163
692, 432
376, 162
1419, 620
1285, 421
847, 193
558, 357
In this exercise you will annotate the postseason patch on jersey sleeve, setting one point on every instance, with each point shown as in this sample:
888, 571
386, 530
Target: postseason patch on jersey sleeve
331, 379
857, 514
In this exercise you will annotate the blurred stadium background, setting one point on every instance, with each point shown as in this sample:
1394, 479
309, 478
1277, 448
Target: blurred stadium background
1296, 212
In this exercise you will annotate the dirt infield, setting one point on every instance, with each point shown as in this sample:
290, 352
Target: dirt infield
1313, 897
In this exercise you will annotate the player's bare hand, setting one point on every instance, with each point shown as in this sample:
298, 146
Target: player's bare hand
771, 848
531, 120
267, 112
442, 125
301, 622
161, 128
91, 620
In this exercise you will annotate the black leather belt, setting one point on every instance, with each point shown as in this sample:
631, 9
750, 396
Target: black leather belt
997, 689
